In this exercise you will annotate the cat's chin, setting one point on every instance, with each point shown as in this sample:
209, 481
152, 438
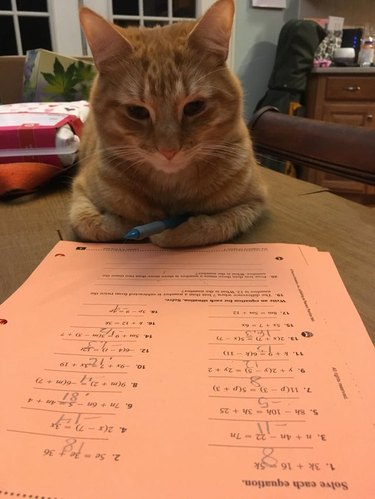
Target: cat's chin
168, 166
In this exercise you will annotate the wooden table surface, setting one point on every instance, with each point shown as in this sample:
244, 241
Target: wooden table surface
298, 212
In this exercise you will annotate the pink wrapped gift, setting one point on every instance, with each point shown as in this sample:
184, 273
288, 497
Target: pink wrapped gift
37, 141
50, 138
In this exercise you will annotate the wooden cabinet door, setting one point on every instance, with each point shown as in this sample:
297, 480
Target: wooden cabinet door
348, 99
350, 114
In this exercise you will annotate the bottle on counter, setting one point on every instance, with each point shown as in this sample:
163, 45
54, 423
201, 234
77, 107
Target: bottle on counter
367, 52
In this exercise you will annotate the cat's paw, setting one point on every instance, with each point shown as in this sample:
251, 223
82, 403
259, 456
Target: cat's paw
164, 239
202, 230
100, 227
187, 234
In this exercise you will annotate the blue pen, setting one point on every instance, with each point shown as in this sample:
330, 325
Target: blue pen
147, 230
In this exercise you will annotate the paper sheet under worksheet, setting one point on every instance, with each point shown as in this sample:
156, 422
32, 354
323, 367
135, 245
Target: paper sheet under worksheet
233, 371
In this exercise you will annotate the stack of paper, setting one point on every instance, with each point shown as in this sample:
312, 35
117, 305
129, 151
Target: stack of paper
232, 371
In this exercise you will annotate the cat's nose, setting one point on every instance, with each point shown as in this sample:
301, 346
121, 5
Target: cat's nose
168, 153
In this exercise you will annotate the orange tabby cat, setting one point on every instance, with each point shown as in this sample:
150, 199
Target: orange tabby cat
165, 135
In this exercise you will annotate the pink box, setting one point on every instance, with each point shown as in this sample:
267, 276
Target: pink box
39, 137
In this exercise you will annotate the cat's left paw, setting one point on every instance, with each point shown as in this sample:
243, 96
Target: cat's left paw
164, 239
189, 233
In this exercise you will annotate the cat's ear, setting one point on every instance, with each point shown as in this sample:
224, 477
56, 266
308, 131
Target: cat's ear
213, 30
105, 41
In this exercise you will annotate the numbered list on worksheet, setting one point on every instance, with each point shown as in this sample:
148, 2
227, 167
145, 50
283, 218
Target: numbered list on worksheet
203, 370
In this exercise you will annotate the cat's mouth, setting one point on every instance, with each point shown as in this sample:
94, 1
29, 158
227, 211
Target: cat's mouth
170, 166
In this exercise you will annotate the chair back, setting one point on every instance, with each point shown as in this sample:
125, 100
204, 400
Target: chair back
339, 149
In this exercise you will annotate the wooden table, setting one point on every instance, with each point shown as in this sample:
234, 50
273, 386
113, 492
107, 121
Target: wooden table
298, 212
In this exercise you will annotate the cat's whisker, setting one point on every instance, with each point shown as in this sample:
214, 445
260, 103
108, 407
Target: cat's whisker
220, 90
122, 152
206, 75
227, 150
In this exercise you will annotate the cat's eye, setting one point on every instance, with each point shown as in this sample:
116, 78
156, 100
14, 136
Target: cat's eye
137, 112
194, 107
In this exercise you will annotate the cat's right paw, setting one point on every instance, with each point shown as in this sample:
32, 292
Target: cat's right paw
100, 227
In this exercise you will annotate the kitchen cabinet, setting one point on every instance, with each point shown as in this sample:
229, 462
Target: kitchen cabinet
342, 95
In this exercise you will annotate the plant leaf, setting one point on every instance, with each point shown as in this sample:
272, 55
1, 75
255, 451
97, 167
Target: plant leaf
49, 77
58, 68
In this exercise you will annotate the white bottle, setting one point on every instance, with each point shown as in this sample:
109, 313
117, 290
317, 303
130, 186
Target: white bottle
366, 54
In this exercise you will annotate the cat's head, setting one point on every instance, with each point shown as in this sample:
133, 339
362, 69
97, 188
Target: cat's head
164, 95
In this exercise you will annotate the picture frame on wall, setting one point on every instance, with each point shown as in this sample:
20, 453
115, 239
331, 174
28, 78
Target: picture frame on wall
269, 4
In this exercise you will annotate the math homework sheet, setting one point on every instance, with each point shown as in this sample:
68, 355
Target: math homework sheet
232, 371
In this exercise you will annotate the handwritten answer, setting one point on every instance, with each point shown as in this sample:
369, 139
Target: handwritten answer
219, 372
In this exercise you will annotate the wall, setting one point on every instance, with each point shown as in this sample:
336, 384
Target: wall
256, 35
355, 12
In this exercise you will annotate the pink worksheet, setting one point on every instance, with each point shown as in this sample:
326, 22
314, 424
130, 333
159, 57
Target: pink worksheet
228, 372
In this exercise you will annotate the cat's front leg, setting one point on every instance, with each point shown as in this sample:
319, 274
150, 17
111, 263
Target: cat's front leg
92, 224
202, 230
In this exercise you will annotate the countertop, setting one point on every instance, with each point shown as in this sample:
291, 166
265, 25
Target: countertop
345, 69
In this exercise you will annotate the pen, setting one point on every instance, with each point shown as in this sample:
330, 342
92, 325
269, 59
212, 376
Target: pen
147, 230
